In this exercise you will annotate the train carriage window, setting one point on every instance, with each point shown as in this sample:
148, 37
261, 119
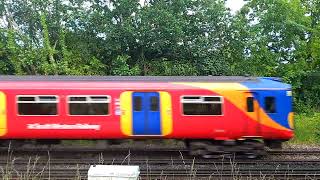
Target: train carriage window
202, 105
37, 105
250, 104
77, 99
270, 104
211, 99
191, 97
154, 102
26, 98
137, 103
89, 105
47, 98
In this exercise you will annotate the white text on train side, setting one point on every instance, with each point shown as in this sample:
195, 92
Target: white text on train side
63, 126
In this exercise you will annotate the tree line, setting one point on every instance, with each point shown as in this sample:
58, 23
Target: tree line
165, 37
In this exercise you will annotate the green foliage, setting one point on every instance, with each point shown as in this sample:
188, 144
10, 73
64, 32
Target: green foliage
5, 65
163, 67
307, 129
279, 38
121, 68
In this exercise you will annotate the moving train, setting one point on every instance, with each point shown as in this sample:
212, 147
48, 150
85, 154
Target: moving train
211, 114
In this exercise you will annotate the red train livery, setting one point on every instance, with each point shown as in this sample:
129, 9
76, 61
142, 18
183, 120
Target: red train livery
207, 112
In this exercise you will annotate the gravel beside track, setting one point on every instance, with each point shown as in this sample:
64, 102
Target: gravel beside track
71, 163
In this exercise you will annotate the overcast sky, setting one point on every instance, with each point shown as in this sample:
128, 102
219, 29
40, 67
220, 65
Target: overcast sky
235, 5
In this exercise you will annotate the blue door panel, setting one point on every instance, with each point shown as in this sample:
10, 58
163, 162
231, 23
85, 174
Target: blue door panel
153, 125
138, 113
146, 113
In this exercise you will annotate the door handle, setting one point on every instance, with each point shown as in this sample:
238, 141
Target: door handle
168, 111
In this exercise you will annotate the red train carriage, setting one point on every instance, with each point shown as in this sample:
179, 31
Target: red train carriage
212, 114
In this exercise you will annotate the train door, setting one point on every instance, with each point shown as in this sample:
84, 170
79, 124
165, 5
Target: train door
146, 113
253, 110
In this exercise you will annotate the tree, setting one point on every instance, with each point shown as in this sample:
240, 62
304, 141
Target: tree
36, 39
279, 38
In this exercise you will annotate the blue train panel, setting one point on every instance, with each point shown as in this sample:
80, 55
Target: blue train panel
146, 113
272, 91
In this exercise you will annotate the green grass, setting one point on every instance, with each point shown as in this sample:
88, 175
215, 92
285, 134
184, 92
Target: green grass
307, 128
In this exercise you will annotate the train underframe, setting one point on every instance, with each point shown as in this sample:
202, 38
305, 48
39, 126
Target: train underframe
248, 148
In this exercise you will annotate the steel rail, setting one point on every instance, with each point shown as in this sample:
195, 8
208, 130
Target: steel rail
70, 168
67, 163
82, 173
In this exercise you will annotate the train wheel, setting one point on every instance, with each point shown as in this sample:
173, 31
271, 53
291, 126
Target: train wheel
198, 148
255, 149
249, 149
251, 156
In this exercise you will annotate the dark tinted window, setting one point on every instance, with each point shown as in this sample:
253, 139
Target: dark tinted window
202, 105
191, 97
212, 99
37, 105
137, 103
202, 108
250, 105
26, 99
270, 104
89, 108
77, 99
154, 102
37, 108
89, 105
99, 98
47, 98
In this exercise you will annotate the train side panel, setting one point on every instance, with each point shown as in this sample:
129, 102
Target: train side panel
62, 126
224, 126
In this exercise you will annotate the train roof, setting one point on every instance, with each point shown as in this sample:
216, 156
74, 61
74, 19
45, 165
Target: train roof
138, 82
132, 78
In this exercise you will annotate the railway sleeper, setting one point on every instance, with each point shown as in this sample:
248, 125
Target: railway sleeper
213, 149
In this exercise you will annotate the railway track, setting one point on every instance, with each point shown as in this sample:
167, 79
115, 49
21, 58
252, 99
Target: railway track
68, 163
72, 168
133, 151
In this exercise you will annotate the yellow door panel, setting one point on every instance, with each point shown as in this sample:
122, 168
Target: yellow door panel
3, 114
166, 113
126, 113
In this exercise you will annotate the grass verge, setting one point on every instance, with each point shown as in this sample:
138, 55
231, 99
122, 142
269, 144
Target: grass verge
307, 128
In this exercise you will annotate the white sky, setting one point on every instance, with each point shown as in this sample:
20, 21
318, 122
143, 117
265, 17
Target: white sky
235, 5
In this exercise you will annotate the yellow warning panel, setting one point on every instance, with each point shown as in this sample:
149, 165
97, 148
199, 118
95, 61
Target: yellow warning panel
291, 120
126, 113
3, 114
166, 113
